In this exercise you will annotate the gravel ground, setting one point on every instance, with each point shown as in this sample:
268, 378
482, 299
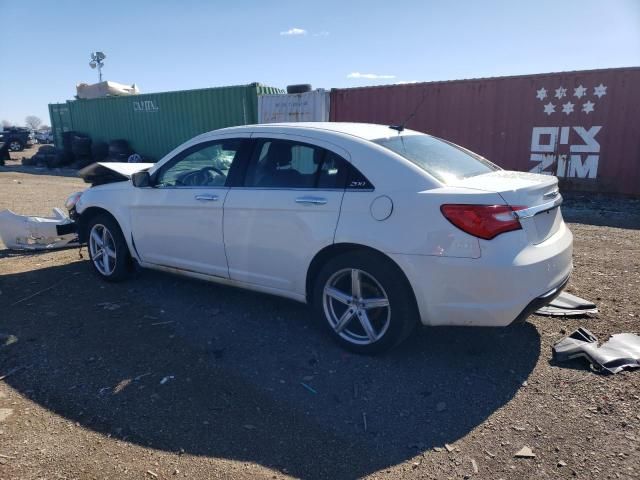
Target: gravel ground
165, 377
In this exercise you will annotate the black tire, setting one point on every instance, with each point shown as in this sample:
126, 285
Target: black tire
122, 264
299, 88
16, 145
99, 151
402, 314
47, 149
81, 146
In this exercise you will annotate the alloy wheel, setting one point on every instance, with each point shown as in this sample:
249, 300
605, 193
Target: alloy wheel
356, 306
103, 249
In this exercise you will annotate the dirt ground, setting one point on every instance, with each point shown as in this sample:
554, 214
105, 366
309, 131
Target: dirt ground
166, 377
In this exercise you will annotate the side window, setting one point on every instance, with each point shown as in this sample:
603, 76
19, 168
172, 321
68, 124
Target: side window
283, 164
333, 173
286, 164
205, 165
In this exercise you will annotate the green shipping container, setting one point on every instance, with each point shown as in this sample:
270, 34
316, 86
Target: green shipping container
156, 123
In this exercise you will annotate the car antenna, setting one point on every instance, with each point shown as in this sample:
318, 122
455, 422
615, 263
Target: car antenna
400, 128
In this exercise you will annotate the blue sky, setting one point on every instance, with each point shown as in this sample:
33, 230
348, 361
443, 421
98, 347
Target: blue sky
163, 45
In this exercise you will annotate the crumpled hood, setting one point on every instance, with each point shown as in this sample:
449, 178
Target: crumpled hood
108, 172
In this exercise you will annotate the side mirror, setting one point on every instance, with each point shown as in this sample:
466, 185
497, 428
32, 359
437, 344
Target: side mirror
141, 179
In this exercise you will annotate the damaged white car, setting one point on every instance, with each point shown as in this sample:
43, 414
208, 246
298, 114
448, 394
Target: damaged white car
378, 228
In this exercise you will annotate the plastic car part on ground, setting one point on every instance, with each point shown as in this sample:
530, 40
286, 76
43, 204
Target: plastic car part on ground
620, 352
22, 232
567, 305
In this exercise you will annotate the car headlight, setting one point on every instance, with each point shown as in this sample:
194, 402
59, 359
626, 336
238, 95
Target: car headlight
71, 200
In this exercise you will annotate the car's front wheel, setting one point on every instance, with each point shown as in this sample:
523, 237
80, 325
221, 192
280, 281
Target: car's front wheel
108, 249
365, 301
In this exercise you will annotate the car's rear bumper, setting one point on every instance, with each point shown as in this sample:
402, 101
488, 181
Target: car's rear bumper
507, 283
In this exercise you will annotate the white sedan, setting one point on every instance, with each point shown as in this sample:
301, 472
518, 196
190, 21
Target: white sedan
378, 228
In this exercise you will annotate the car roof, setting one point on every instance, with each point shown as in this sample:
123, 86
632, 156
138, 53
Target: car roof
365, 131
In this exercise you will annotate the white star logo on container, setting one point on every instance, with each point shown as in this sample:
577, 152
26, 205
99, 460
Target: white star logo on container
579, 92
561, 92
549, 108
567, 108
588, 107
541, 94
600, 91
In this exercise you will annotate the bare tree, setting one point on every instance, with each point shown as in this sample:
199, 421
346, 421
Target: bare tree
44, 127
6, 124
33, 122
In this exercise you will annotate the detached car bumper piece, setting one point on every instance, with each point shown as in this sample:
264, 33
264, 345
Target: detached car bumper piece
22, 232
620, 352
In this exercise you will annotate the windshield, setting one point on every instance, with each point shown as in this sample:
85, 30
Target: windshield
443, 160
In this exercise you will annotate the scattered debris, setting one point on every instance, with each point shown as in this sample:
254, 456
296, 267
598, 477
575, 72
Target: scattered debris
438, 449
364, 421
109, 306
10, 372
7, 457
141, 376
162, 323
490, 454
7, 339
249, 427
620, 352
21, 232
525, 452
562, 464
153, 474
50, 287
567, 305
311, 389
166, 379
441, 407
474, 465
449, 447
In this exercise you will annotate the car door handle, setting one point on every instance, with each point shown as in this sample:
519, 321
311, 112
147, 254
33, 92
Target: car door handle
207, 198
311, 200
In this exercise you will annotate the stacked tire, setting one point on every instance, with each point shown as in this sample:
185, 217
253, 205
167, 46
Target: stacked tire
99, 151
119, 151
81, 149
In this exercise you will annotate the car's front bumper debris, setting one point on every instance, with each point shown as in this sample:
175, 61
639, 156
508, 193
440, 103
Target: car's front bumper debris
22, 232
620, 352
567, 305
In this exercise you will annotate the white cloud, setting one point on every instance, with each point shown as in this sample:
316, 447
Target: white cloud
370, 76
321, 34
294, 31
403, 82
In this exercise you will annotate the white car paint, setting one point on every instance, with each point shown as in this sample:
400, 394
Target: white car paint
263, 239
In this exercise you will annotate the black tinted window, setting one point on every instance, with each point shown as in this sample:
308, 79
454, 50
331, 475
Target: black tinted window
286, 164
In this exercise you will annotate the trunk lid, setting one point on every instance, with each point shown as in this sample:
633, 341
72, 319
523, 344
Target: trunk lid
528, 190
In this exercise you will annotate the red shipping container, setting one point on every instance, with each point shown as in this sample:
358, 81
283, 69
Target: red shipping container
582, 126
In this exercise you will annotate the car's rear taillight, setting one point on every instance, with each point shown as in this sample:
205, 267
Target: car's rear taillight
483, 221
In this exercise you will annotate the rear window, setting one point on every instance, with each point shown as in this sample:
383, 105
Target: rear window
443, 160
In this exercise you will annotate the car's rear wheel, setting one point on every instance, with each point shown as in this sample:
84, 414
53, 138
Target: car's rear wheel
365, 301
108, 249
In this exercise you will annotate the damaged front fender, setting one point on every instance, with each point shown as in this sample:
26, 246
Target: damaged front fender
22, 232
